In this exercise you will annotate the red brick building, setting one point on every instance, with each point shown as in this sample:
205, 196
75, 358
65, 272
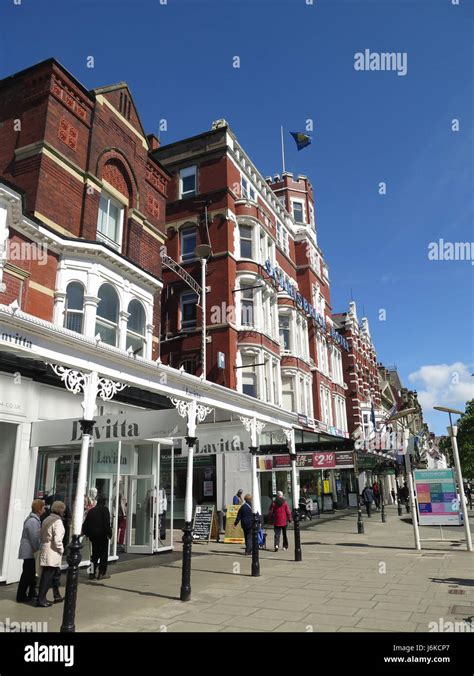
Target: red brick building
96, 198
269, 328
360, 368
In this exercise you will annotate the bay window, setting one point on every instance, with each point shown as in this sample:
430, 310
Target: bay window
246, 241
107, 315
136, 327
249, 375
74, 312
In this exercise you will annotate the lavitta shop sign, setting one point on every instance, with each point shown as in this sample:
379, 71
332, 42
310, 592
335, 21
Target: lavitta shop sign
129, 426
283, 282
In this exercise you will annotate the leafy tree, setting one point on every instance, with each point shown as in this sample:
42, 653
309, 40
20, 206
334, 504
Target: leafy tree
466, 441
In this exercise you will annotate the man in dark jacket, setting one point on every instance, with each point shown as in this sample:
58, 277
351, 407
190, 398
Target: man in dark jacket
368, 498
97, 528
280, 515
245, 518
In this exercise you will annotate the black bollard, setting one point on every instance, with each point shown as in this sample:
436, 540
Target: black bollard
255, 550
360, 523
296, 524
73, 558
185, 594
399, 507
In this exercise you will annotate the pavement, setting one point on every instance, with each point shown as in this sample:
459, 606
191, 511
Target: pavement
373, 582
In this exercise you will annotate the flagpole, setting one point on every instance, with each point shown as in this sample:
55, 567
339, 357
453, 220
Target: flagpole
282, 150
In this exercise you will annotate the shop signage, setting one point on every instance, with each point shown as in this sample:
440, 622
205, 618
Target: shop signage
129, 426
344, 459
203, 520
233, 534
323, 460
366, 462
14, 338
282, 281
105, 458
437, 498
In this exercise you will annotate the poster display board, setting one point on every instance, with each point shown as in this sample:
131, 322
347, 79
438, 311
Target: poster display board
437, 499
233, 535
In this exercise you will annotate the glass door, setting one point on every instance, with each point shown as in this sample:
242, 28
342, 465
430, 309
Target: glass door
141, 511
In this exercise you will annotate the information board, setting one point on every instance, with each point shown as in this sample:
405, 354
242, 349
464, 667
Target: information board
233, 534
437, 499
203, 520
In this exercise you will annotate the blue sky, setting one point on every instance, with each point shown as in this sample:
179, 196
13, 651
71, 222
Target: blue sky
297, 63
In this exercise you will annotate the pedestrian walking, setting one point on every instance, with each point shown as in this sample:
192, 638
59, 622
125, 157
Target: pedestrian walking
280, 516
368, 498
394, 496
52, 549
30, 544
245, 518
97, 528
468, 493
404, 496
376, 492
238, 499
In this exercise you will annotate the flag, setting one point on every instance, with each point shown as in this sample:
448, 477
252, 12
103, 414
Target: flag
302, 140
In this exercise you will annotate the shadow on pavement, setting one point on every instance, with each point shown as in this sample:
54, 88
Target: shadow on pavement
136, 591
463, 582
364, 544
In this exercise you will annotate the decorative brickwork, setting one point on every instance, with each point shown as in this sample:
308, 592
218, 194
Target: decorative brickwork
68, 134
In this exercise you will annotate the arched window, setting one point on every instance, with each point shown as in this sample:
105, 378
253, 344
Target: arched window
74, 314
107, 315
136, 327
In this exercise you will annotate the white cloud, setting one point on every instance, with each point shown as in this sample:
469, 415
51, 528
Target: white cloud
443, 385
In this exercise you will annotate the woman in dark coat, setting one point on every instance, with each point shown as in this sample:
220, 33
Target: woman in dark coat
97, 528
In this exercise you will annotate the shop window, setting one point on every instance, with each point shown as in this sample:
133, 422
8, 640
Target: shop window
107, 315
136, 327
110, 221
74, 314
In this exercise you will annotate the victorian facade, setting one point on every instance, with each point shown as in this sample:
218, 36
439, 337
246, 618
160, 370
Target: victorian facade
82, 222
270, 333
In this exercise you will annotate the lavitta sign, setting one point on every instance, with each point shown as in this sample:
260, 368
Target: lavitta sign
283, 282
129, 426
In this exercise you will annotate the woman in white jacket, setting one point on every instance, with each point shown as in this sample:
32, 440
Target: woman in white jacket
52, 549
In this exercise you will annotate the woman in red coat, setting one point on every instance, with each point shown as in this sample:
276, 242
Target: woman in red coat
280, 515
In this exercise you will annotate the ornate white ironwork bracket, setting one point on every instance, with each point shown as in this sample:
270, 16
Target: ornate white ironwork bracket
254, 427
76, 381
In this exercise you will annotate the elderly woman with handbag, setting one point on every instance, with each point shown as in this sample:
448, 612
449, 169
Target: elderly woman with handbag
52, 549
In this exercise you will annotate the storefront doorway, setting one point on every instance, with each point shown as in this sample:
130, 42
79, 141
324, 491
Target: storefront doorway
141, 515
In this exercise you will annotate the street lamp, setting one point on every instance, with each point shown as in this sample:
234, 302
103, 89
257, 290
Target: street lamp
203, 252
453, 431
399, 416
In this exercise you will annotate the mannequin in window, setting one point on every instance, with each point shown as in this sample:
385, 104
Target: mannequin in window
122, 516
162, 508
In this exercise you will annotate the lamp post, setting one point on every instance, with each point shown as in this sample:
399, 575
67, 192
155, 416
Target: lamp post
290, 436
254, 427
453, 431
400, 416
203, 251
91, 386
194, 413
